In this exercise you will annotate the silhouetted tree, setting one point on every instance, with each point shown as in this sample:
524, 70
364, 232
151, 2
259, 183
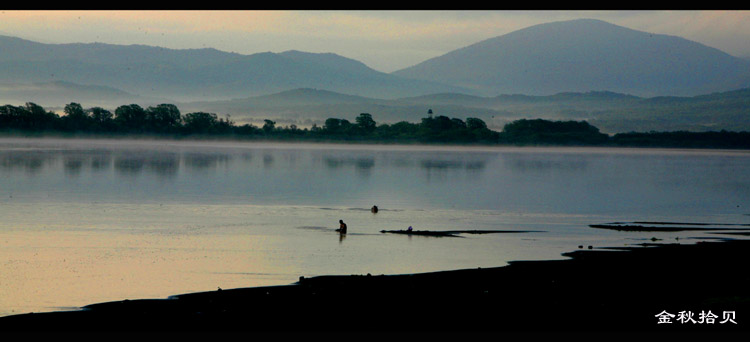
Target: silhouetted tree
268, 125
552, 132
475, 124
199, 122
336, 126
223, 126
478, 129
131, 118
33, 117
442, 128
11, 116
164, 118
75, 119
247, 129
365, 123
102, 119
403, 130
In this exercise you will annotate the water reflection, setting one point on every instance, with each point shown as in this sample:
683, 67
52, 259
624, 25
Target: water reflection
438, 169
440, 164
100, 162
73, 165
362, 165
166, 163
205, 161
267, 160
574, 180
23, 161
128, 163
239, 173
431, 163
550, 163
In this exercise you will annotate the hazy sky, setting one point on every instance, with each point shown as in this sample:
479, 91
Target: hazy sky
384, 40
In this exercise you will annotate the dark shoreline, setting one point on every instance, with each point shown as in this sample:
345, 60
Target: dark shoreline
600, 290
724, 140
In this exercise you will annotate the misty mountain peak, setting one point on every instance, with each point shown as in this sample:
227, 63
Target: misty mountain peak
585, 55
328, 59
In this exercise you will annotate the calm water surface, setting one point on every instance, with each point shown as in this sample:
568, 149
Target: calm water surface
87, 221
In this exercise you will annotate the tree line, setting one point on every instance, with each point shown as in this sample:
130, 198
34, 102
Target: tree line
167, 120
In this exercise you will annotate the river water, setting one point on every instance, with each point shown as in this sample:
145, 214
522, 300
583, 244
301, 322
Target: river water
89, 221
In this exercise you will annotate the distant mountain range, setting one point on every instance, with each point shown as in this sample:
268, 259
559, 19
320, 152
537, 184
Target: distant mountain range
620, 78
198, 74
586, 55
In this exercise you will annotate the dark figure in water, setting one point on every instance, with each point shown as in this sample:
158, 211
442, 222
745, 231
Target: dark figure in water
342, 227
374, 209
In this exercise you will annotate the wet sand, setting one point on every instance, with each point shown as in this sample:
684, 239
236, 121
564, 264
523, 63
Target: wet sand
598, 290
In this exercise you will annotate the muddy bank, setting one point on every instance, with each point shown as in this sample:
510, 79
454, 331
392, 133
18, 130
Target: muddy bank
455, 233
645, 226
592, 290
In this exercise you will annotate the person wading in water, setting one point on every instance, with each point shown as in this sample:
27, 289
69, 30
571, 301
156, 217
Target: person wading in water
342, 227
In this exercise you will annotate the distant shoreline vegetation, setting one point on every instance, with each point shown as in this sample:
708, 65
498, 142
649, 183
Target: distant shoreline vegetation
166, 121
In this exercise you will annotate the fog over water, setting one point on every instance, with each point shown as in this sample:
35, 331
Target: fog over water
87, 221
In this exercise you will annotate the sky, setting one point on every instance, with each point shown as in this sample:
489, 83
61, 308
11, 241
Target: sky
384, 40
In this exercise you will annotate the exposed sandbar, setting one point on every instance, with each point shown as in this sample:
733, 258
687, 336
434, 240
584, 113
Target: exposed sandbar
592, 290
